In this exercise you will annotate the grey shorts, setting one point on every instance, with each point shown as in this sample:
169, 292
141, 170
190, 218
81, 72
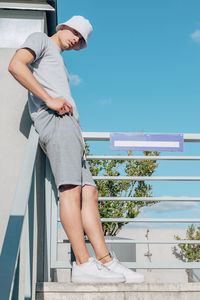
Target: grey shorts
61, 139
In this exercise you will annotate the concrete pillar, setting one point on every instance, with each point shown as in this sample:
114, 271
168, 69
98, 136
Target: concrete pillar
18, 19
16, 25
15, 122
15, 125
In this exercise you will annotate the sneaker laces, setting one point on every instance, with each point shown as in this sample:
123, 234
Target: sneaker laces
99, 265
113, 255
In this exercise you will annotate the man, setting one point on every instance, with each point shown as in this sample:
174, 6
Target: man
39, 67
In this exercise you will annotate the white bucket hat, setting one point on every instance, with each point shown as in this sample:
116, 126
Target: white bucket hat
81, 25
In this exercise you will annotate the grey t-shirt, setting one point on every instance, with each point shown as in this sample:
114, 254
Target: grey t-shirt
50, 71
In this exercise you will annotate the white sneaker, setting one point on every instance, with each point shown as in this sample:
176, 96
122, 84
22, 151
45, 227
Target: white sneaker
131, 276
94, 271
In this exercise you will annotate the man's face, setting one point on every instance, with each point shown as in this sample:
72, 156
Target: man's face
69, 37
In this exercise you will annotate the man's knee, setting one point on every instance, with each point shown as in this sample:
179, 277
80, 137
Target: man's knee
91, 191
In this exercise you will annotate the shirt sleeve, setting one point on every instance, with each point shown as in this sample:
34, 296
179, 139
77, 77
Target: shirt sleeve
37, 42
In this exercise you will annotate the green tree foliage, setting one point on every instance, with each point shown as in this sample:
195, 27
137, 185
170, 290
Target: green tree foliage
125, 188
189, 252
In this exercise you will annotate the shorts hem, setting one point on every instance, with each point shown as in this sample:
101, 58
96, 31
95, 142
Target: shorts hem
69, 182
75, 183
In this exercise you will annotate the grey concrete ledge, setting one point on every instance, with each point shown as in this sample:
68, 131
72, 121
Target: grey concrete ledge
56, 287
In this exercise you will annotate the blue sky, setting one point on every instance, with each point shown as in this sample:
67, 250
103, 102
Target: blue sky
141, 73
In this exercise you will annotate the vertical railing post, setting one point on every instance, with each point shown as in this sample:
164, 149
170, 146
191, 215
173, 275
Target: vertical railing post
54, 222
15, 291
51, 222
48, 219
29, 244
39, 228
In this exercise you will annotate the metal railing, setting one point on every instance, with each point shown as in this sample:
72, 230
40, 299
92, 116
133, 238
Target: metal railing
32, 189
20, 211
25, 255
105, 136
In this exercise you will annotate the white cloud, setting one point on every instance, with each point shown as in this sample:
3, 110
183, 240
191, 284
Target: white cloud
157, 225
169, 207
195, 36
75, 79
142, 225
105, 101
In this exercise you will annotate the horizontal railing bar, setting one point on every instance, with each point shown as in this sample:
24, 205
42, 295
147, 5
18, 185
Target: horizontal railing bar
162, 265
146, 199
96, 136
148, 220
105, 136
154, 242
128, 241
149, 178
130, 157
141, 265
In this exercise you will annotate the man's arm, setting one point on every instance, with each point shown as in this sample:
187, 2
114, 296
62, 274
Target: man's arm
18, 67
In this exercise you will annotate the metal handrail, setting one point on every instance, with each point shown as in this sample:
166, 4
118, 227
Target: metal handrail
130, 241
132, 157
105, 136
9, 258
147, 199
149, 220
149, 178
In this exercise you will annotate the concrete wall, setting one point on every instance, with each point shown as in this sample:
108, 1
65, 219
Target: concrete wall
15, 125
159, 253
14, 117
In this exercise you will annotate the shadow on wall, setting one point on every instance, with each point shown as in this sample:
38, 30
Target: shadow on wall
25, 122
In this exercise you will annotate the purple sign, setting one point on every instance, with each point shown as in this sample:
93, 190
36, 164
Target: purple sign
146, 141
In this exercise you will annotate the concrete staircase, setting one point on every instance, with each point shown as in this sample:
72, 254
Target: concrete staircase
144, 291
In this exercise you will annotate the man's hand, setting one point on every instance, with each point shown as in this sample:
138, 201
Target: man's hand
61, 106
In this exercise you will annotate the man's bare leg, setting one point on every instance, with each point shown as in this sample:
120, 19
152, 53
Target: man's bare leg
92, 222
71, 219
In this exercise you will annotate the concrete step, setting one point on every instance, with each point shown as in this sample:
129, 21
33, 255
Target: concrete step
120, 291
